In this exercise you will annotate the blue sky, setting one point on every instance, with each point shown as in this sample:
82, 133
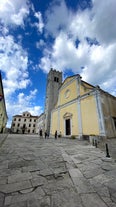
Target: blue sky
72, 36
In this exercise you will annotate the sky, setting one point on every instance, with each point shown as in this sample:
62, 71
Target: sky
72, 36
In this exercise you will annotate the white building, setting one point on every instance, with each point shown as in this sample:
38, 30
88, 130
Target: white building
25, 123
40, 125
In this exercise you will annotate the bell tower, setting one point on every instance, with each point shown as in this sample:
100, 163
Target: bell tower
54, 81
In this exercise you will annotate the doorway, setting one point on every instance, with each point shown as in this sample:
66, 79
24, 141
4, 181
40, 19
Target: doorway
67, 127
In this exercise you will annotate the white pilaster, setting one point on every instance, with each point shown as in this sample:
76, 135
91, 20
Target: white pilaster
79, 108
58, 120
100, 113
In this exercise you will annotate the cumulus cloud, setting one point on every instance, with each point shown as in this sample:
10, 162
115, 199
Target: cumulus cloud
13, 12
27, 102
14, 59
13, 62
23, 103
84, 41
103, 21
58, 18
40, 44
39, 25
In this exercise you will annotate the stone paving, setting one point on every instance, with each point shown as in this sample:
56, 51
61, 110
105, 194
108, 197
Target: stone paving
111, 146
38, 172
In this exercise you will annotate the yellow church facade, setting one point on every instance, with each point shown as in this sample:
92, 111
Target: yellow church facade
83, 110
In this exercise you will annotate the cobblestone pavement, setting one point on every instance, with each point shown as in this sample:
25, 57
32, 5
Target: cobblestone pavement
111, 146
38, 172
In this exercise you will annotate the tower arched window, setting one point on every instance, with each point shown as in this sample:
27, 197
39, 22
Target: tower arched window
56, 79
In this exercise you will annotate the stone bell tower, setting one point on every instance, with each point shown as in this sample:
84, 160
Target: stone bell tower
54, 81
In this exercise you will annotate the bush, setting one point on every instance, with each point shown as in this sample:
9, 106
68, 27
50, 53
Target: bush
73, 137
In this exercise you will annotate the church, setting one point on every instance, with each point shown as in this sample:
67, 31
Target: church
75, 108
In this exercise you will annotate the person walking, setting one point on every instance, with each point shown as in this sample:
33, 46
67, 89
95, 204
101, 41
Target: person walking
56, 134
40, 133
45, 134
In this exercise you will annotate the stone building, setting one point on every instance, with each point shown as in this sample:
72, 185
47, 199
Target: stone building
83, 110
54, 81
3, 113
25, 123
40, 124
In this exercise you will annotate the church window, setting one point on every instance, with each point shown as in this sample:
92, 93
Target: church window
67, 93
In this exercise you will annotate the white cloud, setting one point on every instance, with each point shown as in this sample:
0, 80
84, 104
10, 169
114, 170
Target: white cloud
46, 61
101, 68
13, 12
58, 18
13, 62
14, 58
79, 25
39, 25
64, 55
40, 43
23, 103
24, 99
95, 62
103, 25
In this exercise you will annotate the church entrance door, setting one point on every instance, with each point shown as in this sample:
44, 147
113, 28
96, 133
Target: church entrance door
67, 127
